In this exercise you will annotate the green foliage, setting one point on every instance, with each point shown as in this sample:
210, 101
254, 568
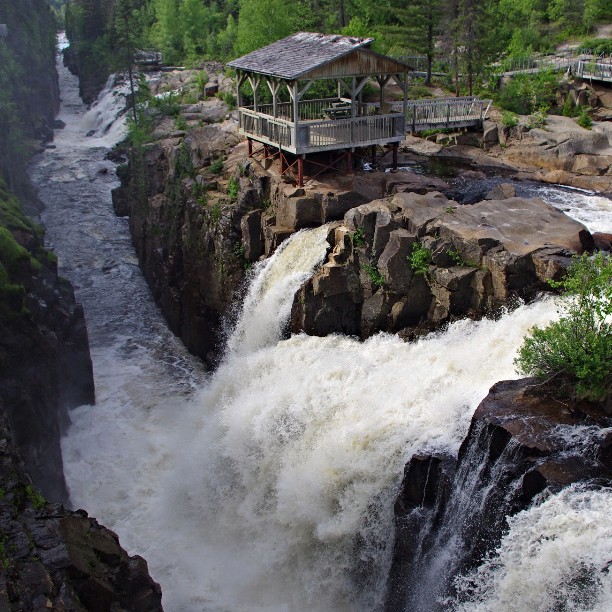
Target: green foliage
574, 354
217, 166
261, 22
419, 259
35, 497
509, 119
358, 237
375, 276
538, 119
417, 92
456, 257
233, 187
569, 108
168, 104
180, 123
597, 46
526, 92
584, 119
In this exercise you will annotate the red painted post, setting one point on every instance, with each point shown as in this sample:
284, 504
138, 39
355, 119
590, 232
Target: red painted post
250, 147
300, 172
283, 162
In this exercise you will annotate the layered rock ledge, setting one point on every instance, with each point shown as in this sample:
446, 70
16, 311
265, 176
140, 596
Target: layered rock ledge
412, 262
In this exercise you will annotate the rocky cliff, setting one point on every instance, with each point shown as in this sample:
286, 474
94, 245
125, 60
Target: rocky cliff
410, 262
450, 513
29, 94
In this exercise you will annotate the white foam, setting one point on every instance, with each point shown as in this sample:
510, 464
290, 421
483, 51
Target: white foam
556, 556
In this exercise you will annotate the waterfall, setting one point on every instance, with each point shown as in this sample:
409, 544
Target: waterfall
269, 485
557, 555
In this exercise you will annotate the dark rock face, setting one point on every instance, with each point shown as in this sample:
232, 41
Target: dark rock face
449, 516
475, 259
60, 560
187, 232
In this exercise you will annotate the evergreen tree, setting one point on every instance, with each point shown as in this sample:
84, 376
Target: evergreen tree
415, 26
262, 22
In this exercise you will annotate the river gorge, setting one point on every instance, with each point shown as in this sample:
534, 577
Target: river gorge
270, 483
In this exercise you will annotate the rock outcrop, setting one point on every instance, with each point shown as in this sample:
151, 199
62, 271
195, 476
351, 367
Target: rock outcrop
450, 514
412, 262
54, 559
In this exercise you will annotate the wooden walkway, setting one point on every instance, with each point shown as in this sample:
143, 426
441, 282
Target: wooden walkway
594, 71
446, 113
584, 65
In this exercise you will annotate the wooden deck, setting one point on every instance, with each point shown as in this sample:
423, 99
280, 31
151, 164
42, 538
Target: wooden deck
323, 125
315, 131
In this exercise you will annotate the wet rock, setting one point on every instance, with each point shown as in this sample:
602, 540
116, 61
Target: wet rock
252, 237
502, 191
520, 442
602, 241
393, 263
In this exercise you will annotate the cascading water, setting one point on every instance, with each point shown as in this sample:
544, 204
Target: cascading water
557, 555
272, 486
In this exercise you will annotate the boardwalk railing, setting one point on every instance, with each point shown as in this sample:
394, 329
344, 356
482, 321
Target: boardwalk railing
311, 135
322, 134
584, 64
446, 113
594, 70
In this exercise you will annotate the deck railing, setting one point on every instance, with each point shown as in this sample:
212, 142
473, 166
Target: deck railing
329, 134
310, 110
322, 134
445, 113
594, 70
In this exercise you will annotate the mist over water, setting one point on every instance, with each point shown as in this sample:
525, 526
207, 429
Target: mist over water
269, 485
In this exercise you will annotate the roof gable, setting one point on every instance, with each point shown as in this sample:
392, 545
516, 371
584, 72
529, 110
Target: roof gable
308, 54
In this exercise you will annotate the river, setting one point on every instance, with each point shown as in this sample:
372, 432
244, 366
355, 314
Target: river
269, 485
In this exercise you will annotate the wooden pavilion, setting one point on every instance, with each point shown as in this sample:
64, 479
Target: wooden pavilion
288, 121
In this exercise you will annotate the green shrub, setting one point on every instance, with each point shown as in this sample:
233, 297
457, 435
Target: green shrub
217, 166
180, 123
232, 188
358, 237
569, 108
375, 276
597, 46
509, 119
525, 92
584, 119
419, 259
456, 257
574, 354
538, 119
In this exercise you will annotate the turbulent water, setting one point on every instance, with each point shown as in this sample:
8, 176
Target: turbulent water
270, 484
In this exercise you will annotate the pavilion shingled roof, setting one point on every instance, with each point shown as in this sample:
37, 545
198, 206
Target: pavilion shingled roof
298, 54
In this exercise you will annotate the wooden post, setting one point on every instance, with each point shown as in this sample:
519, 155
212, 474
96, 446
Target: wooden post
250, 143
301, 171
349, 161
296, 113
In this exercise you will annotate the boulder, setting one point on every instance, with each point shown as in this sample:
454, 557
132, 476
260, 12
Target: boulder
299, 212
502, 191
603, 241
